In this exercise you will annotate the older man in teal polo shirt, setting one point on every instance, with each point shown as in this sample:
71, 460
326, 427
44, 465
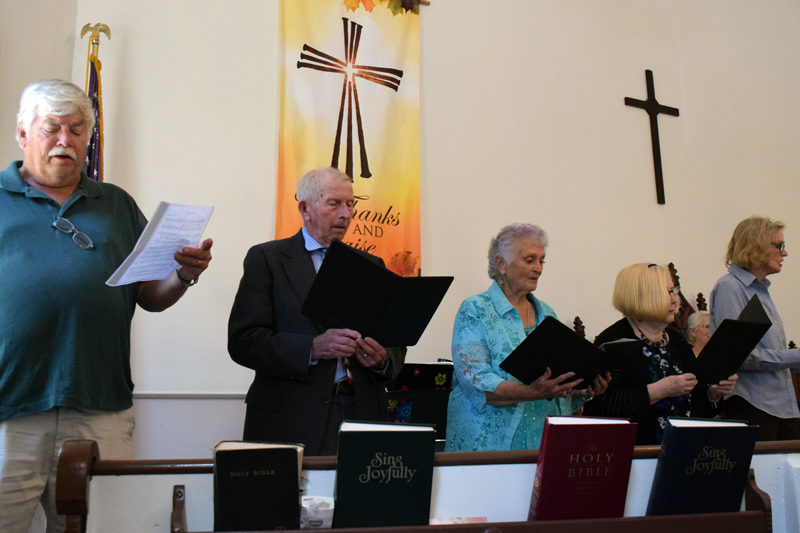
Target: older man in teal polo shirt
65, 335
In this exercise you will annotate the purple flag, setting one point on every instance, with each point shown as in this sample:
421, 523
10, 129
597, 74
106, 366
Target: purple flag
94, 153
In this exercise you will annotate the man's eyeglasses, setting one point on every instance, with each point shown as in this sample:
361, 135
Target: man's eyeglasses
780, 245
674, 291
78, 237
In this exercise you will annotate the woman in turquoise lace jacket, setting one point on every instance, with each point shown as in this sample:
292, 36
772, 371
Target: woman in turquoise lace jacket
488, 408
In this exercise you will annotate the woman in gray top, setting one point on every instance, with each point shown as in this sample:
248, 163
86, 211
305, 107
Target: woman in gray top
764, 393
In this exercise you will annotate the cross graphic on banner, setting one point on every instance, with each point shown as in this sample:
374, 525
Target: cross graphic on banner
653, 108
388, 77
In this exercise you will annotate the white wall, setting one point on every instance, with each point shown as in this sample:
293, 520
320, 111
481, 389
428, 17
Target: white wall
37, 39
175, 426
522, 120
190, 109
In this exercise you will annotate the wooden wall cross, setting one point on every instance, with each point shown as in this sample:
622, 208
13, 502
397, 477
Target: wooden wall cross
653, 108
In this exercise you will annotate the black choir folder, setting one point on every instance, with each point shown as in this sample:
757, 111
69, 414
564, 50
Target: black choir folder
554, 345
731, 343
350, 291
702, 466
384, 475
257, 485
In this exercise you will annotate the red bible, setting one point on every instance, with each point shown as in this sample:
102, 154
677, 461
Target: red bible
583, 468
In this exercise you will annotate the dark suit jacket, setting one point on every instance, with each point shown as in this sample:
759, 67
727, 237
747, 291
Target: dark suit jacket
268, 333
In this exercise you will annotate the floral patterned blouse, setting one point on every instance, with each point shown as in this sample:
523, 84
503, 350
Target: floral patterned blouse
488, 328
640, 364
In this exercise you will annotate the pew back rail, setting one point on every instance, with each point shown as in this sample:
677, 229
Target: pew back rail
80, 461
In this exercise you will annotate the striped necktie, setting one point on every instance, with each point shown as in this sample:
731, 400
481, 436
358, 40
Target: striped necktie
317, 257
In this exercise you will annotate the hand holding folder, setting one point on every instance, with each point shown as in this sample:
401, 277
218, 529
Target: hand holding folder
554, 345
731, 343
351, 291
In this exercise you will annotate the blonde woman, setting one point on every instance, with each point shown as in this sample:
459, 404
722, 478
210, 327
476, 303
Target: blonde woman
650, 384
765, 395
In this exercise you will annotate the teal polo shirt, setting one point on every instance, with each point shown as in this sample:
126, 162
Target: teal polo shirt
64, 334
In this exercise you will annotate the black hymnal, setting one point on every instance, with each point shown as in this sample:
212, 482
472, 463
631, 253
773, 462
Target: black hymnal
731, 343
256, 486
384, 475
554, 345
351, 291
702, 466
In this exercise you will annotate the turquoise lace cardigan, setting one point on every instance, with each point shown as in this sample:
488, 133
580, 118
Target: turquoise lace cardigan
487, 328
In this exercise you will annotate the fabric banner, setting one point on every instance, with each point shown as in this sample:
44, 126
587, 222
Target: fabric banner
350, 99
94, 153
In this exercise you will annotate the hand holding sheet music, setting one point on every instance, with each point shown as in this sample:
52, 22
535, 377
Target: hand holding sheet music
172, 227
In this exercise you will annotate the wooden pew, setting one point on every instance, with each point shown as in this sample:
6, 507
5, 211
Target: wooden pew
79, 462
685, 309
795, 378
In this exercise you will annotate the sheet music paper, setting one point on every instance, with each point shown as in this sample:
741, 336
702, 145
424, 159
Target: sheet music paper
172, 227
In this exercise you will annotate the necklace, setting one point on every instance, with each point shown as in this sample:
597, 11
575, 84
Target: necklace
529, 317
530, 314
656, 344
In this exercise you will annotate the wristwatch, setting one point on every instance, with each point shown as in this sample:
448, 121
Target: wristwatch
186, 282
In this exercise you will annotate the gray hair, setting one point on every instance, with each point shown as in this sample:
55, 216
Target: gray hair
53, 97
694, 319
692, 323
502, 244
312, 186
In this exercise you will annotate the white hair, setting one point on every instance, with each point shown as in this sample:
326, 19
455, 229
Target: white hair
692, 323
502, 244
694, 319
52, 97
311, 187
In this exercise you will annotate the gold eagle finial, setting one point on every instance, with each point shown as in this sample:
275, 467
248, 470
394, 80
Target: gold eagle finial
95, 29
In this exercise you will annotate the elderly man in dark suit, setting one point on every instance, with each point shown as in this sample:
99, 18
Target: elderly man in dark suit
307, 379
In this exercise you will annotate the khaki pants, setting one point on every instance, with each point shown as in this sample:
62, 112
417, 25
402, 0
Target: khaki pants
29, 448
